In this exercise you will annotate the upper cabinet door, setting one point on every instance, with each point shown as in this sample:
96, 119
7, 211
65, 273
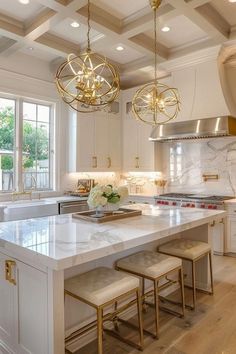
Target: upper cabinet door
113, 158
94, 141
138, 151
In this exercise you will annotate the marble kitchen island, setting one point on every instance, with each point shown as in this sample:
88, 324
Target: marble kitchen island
40, 253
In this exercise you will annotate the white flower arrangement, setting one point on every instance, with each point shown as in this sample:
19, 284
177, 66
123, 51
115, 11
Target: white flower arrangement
101, 195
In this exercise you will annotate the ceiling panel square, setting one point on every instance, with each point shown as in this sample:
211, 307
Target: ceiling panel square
107, 47
182, 32
226, 10
18, 11
77, 35
122, 8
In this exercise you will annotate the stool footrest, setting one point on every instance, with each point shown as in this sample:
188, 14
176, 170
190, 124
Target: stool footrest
122, 339
131, 325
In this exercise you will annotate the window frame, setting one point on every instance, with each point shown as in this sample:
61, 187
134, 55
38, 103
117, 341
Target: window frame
18, 182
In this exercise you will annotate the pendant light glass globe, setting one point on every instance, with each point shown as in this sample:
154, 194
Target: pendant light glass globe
87, 82
156, 103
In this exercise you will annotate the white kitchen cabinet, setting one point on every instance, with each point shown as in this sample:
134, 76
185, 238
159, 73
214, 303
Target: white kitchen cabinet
231, 234
138, 151
23, 308
94, 142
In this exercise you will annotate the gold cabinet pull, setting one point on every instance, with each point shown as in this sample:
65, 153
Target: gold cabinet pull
136, 162
95, 162
9, 271
213, 223
108, 162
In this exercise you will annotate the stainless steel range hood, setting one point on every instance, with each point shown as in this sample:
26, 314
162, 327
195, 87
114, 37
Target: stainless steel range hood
195, 129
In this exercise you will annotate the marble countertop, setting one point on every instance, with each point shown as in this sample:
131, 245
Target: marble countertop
60, 242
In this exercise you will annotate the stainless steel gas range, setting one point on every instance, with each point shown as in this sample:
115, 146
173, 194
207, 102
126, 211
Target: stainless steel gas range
192, 200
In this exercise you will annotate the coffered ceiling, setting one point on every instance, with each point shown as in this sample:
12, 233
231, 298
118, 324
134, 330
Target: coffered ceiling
43, 28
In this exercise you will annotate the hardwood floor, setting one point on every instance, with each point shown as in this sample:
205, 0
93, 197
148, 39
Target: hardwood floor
211, 329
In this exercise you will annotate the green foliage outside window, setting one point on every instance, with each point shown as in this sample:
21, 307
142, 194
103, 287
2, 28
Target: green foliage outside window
35, 142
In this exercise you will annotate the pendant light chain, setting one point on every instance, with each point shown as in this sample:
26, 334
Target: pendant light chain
89, 27
155, 40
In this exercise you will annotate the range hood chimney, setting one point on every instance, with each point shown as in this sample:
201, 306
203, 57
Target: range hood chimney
195, 129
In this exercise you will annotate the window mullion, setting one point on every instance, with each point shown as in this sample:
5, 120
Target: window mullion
19, 145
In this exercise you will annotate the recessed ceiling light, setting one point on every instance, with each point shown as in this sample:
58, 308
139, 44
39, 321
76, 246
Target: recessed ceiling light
30, 48
120, 48
24, 2
165, 29
74, 24
232, 0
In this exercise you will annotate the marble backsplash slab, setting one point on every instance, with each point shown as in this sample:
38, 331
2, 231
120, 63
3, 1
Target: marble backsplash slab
185, 162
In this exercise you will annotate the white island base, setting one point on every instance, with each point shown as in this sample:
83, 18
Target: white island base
33, 315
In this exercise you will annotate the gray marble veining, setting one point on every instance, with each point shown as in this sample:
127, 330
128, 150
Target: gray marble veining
185, 162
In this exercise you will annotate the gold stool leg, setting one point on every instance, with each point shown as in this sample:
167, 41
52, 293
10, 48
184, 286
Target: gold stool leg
140, 319
194, 284
115, 319
156, 301
144, 306
211, 273
100, 329
181, 280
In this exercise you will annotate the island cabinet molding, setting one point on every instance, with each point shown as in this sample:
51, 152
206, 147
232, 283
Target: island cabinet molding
23, 308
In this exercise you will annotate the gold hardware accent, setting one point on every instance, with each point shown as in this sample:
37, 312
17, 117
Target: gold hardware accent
210, 177
95, 162
155, 4
8, 271
213, 223
108, 162
155, 103
221, 221
87, 82
137, 162
160, 182
16, 194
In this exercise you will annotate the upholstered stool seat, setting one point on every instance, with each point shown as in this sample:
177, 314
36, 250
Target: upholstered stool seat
153, 266
103, 287
150, 264
191, 251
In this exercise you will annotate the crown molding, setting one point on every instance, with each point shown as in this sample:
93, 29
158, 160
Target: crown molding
195, 58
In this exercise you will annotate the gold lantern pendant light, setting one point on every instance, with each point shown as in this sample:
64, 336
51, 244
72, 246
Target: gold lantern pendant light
87, 82
156, 103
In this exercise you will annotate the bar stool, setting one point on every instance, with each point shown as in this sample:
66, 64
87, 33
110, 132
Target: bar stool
153, 266
192, 251
100, 288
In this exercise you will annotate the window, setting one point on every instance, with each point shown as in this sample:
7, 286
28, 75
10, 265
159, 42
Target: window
26, 145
